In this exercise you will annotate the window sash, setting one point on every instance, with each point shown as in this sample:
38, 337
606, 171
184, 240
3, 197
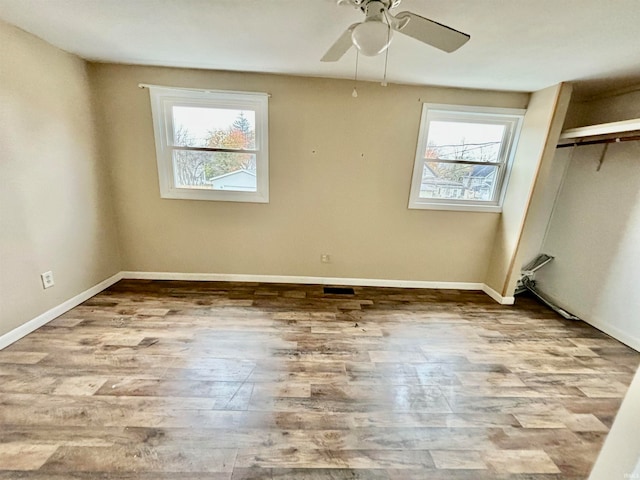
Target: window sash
463, 162
211, 149
164, 99
511, 119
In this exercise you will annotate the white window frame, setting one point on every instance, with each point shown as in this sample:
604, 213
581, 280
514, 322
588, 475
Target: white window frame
163, 99
511, 118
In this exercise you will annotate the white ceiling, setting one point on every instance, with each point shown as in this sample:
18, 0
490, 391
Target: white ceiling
522, 45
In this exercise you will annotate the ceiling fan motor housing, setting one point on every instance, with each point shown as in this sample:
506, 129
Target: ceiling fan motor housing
362, 4
374, 9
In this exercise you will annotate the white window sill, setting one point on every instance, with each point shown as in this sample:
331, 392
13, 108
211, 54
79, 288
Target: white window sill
215, 195
460, 207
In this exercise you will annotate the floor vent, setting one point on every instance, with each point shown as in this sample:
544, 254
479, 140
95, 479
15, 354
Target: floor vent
339, 290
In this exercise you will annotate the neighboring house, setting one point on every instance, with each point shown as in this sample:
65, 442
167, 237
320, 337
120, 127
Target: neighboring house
477, 185
480, 182
433, 186
240, 180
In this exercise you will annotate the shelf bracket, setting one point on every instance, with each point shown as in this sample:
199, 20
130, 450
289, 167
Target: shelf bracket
602, 155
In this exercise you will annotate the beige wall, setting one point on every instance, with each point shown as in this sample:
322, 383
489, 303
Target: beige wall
612, 108
339, 184
542, 124
54, 202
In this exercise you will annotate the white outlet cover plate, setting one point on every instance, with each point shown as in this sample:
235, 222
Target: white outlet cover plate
47, 279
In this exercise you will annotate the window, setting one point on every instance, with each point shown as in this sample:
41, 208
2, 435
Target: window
463, 157
211, 145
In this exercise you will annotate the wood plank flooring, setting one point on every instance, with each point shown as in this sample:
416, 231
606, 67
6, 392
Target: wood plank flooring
238, 381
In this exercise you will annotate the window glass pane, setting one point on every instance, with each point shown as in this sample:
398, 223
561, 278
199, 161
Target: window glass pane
214, 128
458, 181
478, 142
215, 170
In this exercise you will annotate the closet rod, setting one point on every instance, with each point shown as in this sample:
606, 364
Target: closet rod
601, 141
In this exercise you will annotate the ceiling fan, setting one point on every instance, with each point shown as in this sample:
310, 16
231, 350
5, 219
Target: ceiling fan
374, 35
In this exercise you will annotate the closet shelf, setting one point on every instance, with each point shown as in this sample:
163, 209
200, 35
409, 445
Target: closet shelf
626, 130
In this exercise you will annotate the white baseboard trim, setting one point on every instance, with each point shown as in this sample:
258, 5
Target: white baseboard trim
615, 332
605, 327
359, 282
35, 323
496, 296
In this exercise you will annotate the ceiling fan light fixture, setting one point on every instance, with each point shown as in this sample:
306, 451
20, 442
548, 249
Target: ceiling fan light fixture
371, 37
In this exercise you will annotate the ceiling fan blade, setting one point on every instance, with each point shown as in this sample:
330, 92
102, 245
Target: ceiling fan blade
340, 47
432, 33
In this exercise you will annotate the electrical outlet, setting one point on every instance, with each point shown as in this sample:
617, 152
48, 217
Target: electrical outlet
47, 279
325, 258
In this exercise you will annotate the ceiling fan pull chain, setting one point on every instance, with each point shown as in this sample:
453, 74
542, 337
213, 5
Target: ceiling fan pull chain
386, 53
384, 78
354, 94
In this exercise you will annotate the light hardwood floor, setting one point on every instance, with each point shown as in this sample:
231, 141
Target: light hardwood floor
214, 380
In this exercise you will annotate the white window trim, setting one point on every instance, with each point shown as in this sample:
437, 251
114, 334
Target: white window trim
511, 117
162, 101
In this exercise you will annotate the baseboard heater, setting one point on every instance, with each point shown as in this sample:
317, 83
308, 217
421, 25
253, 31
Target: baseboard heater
528, 284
